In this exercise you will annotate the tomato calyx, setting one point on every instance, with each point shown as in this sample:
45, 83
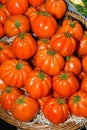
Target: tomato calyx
1, 5
76, 99
9, 90
72, 24
44, 13
17, 24
19, 65
68, 58
51, 52
20, 100
67, 34
45, 40
60, 101
41, 75
64, 76
21, 35
1, 48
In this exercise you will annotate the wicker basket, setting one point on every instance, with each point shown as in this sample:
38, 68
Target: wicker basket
65, 126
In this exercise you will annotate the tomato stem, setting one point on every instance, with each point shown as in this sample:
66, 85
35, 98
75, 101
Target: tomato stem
20, 101
41, 75
8, 90
21, 35
51, 52
19, 65
72, 24
17, 24
60, 101
68, 58
76, 99
64, 76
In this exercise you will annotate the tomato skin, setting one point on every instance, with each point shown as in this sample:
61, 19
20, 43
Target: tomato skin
42, 24
24, 46
63, 42
36, 3
73, 27
5, 52
2, 33
55, 111
56, 7
15, 72
25, 108
38, 84
17, 6
16, 24
8, 96
2, 85
84, 63
78, 104
65, 83
83, 85
73, 64
49, 61
3, 1
81, 47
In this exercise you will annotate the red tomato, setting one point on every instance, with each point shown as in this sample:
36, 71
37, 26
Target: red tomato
36, 3
65, 83
25, 108
8, 96
38, 84
43, 23
78, 104
56, 110
16, 24
17, 6
2, 33
24, 46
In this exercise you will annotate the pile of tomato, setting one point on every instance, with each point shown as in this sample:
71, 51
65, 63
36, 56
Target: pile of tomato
45, 66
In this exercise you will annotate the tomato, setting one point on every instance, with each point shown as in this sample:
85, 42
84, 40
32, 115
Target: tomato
78, 104
64, 43
49, 61
56, 7
2, 85
83, 85
15, 72
38, 84
17, 6
2, 33
43, 23
25, 108
43, 43
5, 52
65, 83
73, 64
36, 3
24, 46
73, 27
31, 13
82, 75
84, 63
8, 96
4, 14
16, 24
56, 110
81, 47
42, 101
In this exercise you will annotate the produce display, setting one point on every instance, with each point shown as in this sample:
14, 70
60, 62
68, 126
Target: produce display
43, 61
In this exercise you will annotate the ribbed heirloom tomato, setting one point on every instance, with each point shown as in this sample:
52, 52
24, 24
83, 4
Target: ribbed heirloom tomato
8, 97
73, 64
65, 83
36, 3
78, 104
56, 110
17, 6
63, 42
25, 108
16, 24
56, 7
44, 25
5, 52
38, 84
73, 27
15, 72
49, 61
24, 46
